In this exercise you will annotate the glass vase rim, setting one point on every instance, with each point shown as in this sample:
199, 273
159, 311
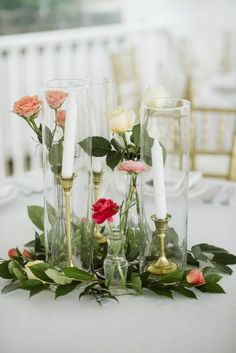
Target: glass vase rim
185, 103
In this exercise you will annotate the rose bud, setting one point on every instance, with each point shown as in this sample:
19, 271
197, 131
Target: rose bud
195, 277
12, 252
61, 118
55, 99
27, 107
26, 253
121, 120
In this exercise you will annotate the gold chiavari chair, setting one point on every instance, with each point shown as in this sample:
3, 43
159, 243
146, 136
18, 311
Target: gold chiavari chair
213, 141
126, 73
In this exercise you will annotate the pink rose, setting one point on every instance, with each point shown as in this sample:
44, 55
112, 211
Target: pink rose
61, 118
132, 167
12, 252
195, 277
26, 253
55, 98
27, 106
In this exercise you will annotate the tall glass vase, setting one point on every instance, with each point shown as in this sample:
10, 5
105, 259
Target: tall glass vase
57, 95
165, 128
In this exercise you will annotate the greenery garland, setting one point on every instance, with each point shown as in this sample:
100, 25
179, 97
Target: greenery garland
29, 271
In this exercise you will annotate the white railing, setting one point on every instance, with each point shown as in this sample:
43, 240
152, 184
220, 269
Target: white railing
26, 60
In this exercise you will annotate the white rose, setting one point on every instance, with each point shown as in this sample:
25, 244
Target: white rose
121, 120
152, 96
29, 273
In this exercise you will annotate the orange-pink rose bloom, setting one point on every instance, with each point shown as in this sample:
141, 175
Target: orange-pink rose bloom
195, 277
27, 106
61, 118
55, 98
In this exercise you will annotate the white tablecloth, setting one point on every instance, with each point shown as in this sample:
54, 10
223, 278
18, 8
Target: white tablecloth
137, 324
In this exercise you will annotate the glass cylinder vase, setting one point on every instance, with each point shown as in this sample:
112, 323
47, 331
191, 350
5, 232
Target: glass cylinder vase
165, 151
62, 100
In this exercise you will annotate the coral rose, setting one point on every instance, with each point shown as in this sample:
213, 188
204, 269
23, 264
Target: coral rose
61, 118
132, 167
27, 106
26, 253
12, 252
121, 120
103, 210
195, 277
55, 98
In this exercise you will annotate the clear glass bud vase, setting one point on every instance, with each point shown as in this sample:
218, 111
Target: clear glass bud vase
115, 264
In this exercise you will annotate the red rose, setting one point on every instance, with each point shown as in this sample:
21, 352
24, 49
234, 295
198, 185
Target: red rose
103, 210
195, 277
12, 252
26, 253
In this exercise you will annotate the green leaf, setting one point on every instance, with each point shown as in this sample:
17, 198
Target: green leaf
36, 214
19, 274
113, 158
196, 250
38, 289
4, 270
163, 292
116, 145
51, 213
48, 138
39, 271
191, 260
137, 283
96, 146
11, 287
184, 291
212, 277
223, 268
144, 278
28, 284
176, 276
135, 137
211, 287
224, 258
58, 277
13, 264
75, 273
30, 244
55, 154
65, 289
211, 248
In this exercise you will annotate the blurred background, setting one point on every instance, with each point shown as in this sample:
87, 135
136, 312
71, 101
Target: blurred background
187, 46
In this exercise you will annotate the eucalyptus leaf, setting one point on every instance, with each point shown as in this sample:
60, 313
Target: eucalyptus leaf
211, 287
38, 289
223, 268
36, 214
196, 250
211, 248
163, 292
191, 260
185, 292
28, 284
212, 277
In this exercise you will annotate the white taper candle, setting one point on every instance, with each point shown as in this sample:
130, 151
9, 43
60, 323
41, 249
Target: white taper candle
158, 180
69, 138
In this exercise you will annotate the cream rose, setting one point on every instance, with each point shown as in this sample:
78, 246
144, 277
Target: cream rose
152, 97
29, 273
121, 120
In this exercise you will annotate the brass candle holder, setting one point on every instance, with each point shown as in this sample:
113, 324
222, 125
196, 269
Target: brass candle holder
162, 265
67, 185
97, 179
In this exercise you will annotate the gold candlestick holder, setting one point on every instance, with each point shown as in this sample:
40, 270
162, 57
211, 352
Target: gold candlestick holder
162, 266
97, 179
67, 186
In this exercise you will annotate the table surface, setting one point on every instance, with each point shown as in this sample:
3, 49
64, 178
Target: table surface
138, 323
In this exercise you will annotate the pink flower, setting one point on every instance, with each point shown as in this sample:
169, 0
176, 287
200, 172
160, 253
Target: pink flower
26, 253
55, 98
103, 210
195, 277
27, 106
12, 252
61, 118
132, 167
